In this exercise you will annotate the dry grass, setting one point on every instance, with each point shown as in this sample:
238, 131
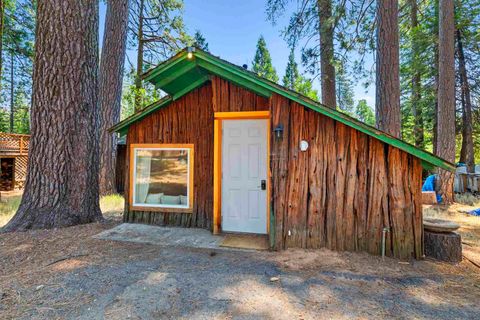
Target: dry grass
8, 207
111, 205
468, 199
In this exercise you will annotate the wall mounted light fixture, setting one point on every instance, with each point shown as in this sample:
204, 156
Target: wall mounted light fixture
278, 131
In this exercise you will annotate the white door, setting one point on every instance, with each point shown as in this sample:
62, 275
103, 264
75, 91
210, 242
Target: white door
244, 176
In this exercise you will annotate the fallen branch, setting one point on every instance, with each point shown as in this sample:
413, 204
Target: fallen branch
472, 262
65, 258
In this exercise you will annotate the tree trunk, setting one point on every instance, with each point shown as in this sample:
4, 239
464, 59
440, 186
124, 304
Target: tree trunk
443, 246
387, 109
110, 88
327, 69
435, 72
12, 91
463, 149
467, 129
446, 97
416, 79
62, 181
2, 14
138, 78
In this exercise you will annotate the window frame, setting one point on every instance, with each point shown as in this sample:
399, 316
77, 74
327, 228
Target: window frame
190, 182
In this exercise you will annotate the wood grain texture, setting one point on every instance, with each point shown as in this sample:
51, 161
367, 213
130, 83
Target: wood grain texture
344, 189
190, 119
339, 194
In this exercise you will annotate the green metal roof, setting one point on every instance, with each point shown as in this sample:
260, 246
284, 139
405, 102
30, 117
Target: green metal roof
192, 67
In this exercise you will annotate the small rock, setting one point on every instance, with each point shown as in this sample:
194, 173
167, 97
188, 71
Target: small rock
213, 253
39, 287
273, 279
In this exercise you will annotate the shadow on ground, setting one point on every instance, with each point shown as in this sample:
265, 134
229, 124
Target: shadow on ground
101, 279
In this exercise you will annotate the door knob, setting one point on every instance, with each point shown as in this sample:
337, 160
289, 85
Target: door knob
264, 185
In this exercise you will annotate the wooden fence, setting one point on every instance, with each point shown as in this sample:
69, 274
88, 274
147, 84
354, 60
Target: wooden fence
14, 144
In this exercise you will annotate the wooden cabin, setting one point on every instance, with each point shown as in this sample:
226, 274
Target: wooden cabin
229, 151
13, 160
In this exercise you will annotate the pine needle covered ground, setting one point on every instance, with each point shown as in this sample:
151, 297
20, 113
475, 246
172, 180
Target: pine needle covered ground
111, 205
66, 273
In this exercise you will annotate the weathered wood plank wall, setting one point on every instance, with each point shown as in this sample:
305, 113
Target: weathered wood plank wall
190, 120
187, 120
339, 194
344, 189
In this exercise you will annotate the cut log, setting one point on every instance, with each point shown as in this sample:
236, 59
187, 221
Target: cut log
429, 197
443, 246
440, 225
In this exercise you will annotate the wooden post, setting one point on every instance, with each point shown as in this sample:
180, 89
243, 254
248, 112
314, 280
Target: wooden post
21, 145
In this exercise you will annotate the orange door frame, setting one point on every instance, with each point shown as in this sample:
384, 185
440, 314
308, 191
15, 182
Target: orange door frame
217, 161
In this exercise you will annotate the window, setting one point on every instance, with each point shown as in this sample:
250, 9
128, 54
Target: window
162, 176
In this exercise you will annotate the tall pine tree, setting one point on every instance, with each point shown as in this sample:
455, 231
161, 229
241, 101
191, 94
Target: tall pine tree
291, 72
387, 102
446, 96
364, 112
156, 30
62, 180
199, 41
344, 90
262, 62
110, 88
295, 81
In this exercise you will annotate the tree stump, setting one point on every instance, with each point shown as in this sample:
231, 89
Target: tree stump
443, 246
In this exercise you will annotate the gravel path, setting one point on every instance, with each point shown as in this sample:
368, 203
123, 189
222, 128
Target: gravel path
68, 274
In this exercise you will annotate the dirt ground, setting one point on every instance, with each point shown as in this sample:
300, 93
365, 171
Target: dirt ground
469, 226
66, 273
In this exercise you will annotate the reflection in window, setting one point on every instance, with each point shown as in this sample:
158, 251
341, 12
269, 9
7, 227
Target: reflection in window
162, 177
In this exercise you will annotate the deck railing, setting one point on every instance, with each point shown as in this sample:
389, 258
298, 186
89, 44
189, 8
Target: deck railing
14, 144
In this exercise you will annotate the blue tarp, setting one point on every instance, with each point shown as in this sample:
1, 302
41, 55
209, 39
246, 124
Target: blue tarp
475, 212
429, 185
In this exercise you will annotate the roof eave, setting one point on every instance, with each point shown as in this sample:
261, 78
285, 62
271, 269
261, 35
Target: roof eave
265, 88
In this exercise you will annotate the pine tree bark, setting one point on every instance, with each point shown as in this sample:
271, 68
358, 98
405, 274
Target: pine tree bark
463, 150
62, 180
12, 86
446, 97
138, 78
435, 72
110, 89
416, 79
327, 69
2, 14
387, 109
467, 129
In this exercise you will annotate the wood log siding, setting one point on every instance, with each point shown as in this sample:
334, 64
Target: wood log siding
190, 120
187, 120
339, 194
344, 189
